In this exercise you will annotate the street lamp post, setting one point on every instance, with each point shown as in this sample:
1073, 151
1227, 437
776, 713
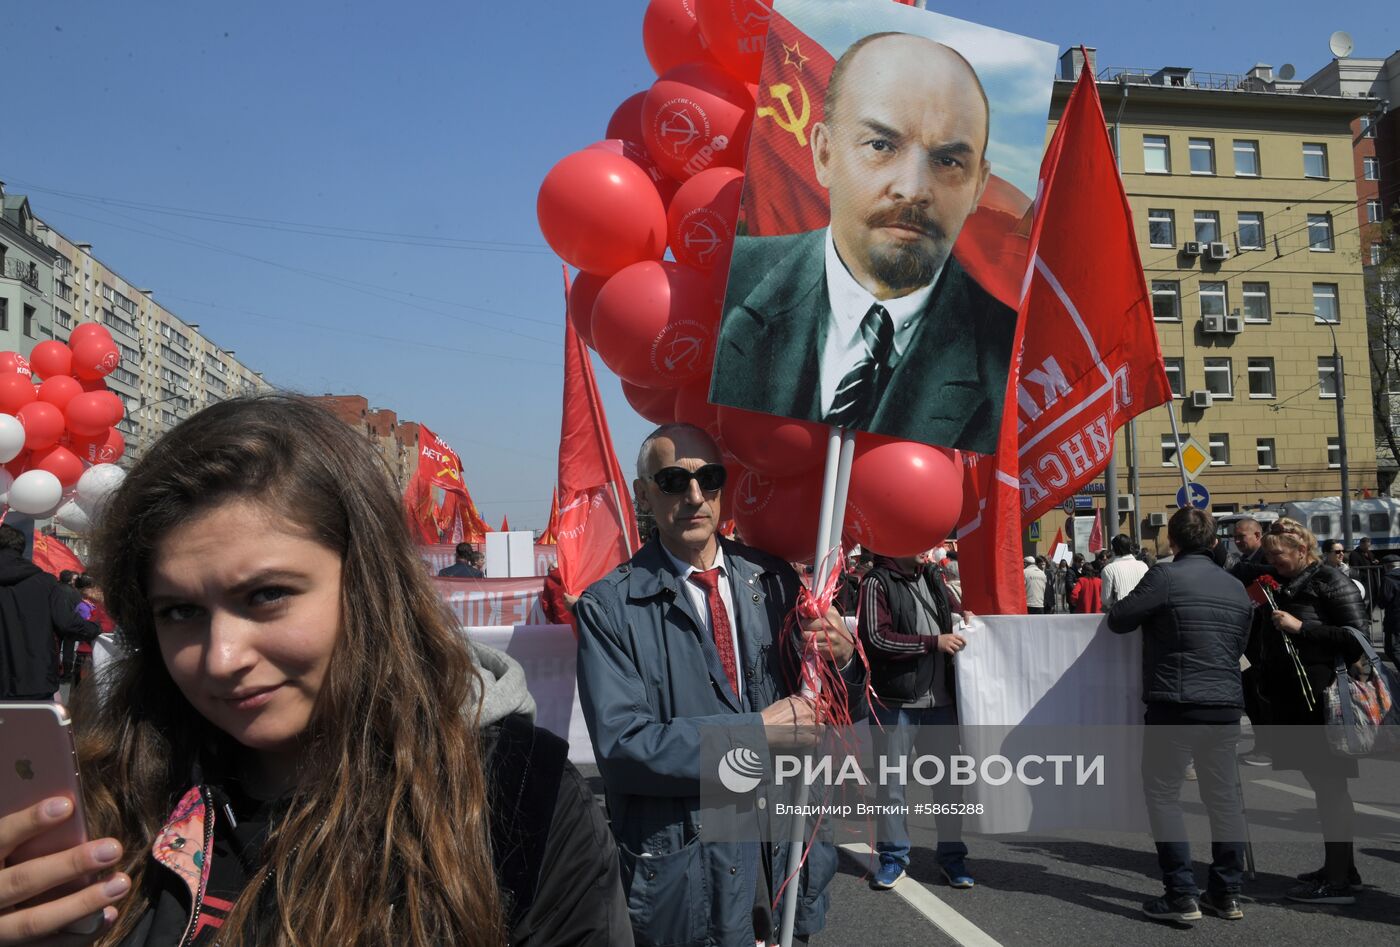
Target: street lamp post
1339, 381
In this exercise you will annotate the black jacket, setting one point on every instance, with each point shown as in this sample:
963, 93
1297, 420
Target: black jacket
1326, 602
902, 662
1195, 622
34, 616
461, 570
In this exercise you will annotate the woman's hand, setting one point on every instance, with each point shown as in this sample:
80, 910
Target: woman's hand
1286, 622
47, 923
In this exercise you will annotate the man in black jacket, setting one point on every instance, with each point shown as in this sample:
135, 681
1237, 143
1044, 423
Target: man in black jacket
906, 627
467, 565
1195, 622
34, 616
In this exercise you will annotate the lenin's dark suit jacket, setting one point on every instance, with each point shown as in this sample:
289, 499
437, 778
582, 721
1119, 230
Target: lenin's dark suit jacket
950, 383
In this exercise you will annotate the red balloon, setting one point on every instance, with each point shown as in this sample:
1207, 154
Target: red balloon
626, 121
19, 464
16, 391
734, 471
59, 461
582, 292
105, 448
89, 414
778, 516
93, 384
904, 498
59, 390
600, 212
735, 32
636, 152
14, 362
693, 407
657, 405
95, 358
697, 116
87, 330
51, 359
116, 408
701, 218
655, 325
778, 447
43, 425
671, 35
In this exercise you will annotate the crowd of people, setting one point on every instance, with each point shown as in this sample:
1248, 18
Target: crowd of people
298, 745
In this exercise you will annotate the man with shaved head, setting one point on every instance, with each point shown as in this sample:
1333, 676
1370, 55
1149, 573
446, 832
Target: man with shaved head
679, 643
871, 323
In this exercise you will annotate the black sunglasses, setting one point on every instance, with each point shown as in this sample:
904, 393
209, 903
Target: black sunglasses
675, 481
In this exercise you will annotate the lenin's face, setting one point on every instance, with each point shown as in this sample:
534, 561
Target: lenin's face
903, 159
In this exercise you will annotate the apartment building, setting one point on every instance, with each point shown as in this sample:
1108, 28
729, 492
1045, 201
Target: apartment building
395, 440
26, 272
1243, 195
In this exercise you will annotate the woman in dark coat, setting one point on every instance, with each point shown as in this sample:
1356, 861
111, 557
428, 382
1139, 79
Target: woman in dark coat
1316, 604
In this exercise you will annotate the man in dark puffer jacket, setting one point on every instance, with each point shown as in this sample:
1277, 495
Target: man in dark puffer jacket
1195, 622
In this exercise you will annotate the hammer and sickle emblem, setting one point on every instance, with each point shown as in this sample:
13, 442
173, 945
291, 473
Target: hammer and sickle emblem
448, 471
792, 122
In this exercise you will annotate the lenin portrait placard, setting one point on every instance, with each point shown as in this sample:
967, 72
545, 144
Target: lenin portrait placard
883, 233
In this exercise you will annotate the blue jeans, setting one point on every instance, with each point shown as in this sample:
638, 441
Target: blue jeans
930, 730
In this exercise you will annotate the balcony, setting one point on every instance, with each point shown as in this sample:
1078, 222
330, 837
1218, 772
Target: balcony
24, 271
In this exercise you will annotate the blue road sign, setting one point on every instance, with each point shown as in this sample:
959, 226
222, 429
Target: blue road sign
1199, 497
1083, 504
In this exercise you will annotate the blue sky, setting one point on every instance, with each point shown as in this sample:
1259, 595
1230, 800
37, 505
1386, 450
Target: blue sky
344, 193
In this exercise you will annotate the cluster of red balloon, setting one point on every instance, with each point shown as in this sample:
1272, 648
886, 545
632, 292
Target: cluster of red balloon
669, 174
57, 427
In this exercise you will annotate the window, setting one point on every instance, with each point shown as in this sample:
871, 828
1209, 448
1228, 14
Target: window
1373, 212
1220, 380
63, 291
29, 321
1325, 307
1371, 169
64, 320
1246, 159
1378, 523
1202, 155
1207, 226
1264, 453
1321, 525
1156, 159
1375, 254
1168, 451
1334, 456
1320, 232
4, 314
126, 325
1261, 377
129, 355
1219, 450
1161, 228
1176, 375
1256, 302
1368, 127
1314, 160
1250, 229
122, 375
1326, 377
1166, 300
1213, 299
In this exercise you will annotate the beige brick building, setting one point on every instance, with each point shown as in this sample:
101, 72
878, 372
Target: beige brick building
1243, 196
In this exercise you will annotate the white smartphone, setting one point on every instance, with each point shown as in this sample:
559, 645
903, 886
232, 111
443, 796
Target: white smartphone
37, 762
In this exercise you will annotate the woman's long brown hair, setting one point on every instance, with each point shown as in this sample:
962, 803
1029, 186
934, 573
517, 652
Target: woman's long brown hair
384, 840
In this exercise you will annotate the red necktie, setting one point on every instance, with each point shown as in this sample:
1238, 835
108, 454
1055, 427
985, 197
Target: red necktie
719, 624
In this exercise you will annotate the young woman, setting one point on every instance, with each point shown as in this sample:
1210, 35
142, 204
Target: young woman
300, 747
1315, 606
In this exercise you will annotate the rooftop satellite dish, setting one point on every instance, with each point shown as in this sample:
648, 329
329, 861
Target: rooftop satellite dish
1286, 71
1340, 43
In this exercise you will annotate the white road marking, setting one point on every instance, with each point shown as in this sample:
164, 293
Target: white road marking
921, 899
1308, 794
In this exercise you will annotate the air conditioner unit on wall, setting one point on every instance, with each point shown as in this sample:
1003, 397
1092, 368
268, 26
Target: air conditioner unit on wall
1125, 503
1218, 251
1191, 248
1156, 519
1201, 399
1213, 323
1234, 325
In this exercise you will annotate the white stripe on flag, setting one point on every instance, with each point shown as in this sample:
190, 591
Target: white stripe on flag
1074, 314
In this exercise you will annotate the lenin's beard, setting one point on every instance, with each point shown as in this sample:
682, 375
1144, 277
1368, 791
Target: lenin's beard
906, 265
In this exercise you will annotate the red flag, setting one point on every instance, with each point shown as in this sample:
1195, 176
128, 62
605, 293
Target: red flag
1087, 356
505, 523
53, 556
439, 505
1059, 540
550, 536
597, 526
1096, 534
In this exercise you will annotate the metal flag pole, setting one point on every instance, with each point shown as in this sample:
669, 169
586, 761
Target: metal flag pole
1176, 436
831, 521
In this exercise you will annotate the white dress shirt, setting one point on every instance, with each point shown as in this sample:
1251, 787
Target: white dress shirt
850, 301
1120, 576
700, 599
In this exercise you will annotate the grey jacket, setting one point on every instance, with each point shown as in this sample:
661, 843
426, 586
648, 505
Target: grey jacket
651, 686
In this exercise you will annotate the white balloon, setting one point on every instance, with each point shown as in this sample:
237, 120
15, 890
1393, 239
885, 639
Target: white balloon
72, 518
36, 493
96, 484
11, 438
6, 479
